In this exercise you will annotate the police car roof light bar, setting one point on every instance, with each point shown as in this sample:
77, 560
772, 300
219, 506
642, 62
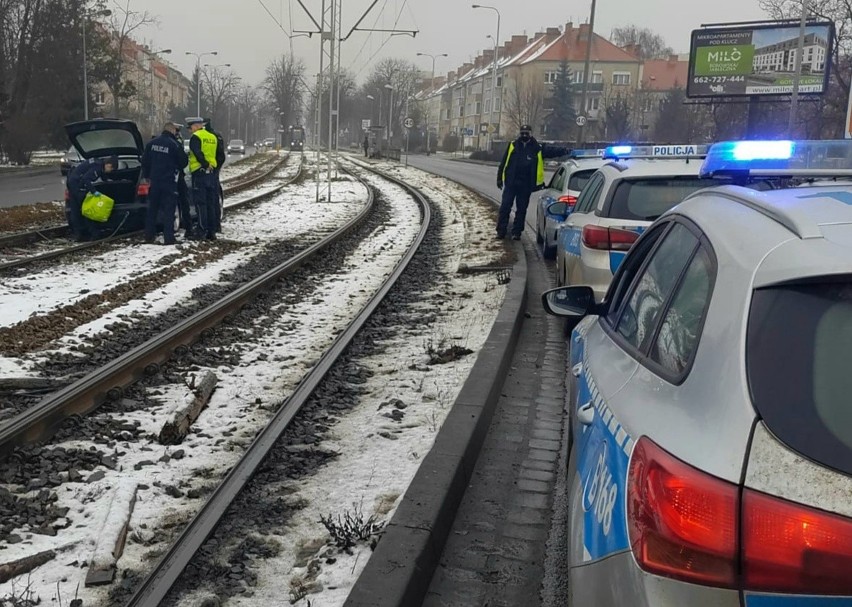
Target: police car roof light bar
823, 158
680, 152
588, 153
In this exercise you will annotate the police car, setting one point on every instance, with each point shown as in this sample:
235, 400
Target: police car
557, 201
632, 189
711, 456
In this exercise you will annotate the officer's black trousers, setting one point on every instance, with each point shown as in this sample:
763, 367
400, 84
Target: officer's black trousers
162, 202
520, 197
205, 198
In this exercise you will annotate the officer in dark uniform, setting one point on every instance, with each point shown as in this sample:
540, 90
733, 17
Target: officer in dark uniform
202, 163
520, 174
162, 164
183, 196
80, 182
221, 156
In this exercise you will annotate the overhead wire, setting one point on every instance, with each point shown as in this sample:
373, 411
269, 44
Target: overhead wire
271, 16
369, 35
382, 45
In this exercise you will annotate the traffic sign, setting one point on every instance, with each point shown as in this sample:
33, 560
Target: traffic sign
581, 121
408, 123
365, 124
492, 129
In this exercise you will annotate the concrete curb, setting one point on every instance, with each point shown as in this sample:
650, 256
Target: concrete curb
400, 569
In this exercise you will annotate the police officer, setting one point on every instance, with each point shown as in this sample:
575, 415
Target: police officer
202, 163
520, 174
80, 182
163, 162
220, 160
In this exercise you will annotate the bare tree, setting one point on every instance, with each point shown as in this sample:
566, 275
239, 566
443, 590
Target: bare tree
651, 45
112, 67
285, 86
404, 77
221, 86
524, 100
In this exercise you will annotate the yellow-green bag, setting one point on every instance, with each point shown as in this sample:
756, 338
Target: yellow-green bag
97, 207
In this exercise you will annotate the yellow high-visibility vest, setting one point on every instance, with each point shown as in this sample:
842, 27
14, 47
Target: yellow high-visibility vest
208, 149
539, 174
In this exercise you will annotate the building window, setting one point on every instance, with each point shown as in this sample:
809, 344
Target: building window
487, 105
461, 111
597, 78
478, 109
593, 104
499, 81
621, 78
550, 77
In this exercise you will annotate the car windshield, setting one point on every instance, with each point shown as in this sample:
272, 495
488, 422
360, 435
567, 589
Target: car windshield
647, 198
797, 352
236, 142
103, 139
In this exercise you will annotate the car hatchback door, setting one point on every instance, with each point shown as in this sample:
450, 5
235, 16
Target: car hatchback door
569, 245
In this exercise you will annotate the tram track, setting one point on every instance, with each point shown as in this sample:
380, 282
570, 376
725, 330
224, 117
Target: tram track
37, 236
156, 588
19, 239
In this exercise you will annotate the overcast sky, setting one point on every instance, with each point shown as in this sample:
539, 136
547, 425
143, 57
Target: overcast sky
247, 37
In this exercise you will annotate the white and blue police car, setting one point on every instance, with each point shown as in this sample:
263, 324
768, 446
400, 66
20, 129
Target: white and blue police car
634, 186
711, 427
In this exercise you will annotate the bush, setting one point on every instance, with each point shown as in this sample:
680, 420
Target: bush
450, 143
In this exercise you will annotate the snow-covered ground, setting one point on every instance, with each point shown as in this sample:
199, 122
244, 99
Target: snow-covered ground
372, 474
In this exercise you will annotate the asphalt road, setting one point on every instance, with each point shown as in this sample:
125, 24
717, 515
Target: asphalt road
45, 184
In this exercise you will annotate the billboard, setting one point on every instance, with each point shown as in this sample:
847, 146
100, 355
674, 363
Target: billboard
758, 60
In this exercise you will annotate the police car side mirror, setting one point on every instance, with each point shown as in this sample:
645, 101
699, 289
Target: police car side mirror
569, 302
560, 209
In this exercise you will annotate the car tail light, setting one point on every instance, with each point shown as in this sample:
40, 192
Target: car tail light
606, 239
569, 200
788, 547
142, 189
682, 523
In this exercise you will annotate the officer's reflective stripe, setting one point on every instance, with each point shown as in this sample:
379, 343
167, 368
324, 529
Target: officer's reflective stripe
508, 157
539, 174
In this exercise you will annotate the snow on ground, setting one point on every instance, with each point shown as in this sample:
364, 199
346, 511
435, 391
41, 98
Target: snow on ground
290, 214
372, 473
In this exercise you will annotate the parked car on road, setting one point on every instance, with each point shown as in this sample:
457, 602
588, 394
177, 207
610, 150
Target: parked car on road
711, 446
562, 191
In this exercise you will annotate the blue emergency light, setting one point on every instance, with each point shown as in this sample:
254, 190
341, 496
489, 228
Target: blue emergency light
831, 157
682, 151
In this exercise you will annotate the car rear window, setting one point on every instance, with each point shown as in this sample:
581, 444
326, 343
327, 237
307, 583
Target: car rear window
798, 352
90, 141
579, 179
647, 199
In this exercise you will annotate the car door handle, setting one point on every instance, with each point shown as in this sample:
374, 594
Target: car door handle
586, 414
577, 369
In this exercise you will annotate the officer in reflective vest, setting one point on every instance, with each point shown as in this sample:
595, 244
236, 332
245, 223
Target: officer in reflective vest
202, 164
521, 173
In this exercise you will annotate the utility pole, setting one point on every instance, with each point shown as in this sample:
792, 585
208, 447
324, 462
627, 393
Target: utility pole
581, 135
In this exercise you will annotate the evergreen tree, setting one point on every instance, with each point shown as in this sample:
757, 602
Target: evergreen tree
560, 123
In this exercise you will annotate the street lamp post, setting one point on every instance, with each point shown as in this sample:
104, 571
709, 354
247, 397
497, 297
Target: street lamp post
581, 134
103, 13
198, 57
431, 91
494, 74
390, 114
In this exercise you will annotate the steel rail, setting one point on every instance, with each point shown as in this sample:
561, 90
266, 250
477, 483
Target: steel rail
108, 382
24, 261
158, 583
48, 233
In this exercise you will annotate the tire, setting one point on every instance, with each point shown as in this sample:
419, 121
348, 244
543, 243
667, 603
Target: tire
548, 252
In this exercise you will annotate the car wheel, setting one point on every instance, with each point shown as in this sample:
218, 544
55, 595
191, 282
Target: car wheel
548, 252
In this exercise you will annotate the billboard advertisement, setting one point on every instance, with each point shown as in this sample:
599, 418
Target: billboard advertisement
758, 60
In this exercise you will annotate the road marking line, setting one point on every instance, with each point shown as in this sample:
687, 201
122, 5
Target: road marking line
32, 190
